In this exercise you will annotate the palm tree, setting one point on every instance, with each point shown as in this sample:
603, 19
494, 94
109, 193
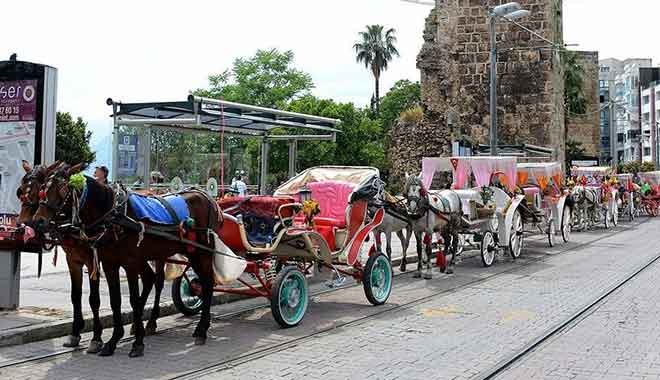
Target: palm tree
375, 50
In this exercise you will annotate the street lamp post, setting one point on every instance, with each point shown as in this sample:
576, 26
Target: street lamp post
509, 12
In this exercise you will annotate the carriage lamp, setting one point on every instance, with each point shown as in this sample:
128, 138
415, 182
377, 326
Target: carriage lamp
305, 194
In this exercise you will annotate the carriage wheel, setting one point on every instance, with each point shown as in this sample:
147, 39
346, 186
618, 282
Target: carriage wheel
377, 279
516, 237
551, 232
566, 225
488, 249
289, 300
185, 294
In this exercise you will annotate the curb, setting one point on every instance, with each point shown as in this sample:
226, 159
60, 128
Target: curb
60, 328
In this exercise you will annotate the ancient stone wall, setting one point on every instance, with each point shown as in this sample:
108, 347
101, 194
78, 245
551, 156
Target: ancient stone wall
454, 66
586, 128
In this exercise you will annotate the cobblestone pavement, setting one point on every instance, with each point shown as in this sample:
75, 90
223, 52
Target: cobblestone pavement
444, 335
618, 339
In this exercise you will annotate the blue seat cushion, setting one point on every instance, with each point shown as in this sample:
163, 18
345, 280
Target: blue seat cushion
152, 210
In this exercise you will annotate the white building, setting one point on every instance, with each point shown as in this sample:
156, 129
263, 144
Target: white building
620, 89
650, 122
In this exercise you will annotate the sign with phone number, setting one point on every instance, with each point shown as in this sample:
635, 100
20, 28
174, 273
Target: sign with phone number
18, 100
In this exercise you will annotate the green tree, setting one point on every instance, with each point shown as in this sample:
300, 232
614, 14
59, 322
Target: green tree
574, 99
402, 96
72, 140
267, 79
376, 49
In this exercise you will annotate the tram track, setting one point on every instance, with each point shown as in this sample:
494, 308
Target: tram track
265, 351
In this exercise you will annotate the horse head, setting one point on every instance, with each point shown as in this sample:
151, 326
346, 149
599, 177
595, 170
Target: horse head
28, 191
416, 196
55, 195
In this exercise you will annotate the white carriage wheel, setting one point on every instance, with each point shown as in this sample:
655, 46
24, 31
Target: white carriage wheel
566, 224
488, 249
461, 244
551, 232
516, 238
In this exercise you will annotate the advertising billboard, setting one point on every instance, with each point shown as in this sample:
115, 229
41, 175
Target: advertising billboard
27, 126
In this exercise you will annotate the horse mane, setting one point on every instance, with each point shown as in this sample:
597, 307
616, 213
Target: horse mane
98, 195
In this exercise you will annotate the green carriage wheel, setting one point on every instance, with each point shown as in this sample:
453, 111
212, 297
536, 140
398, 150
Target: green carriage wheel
377, 279
290, 297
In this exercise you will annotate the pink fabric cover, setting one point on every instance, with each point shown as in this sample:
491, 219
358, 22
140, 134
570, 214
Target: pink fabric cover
332, 197
482, 170
461, 173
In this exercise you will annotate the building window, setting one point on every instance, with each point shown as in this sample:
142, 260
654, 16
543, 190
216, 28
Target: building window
647, 99
647, 151
646, 117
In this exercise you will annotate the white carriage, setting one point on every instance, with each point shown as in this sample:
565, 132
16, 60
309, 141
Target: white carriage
629, 197
604, 208
491, 215
545, 207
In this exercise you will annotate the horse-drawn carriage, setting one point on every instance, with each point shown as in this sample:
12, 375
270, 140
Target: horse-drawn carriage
491, 214
545, 205
322, 217
650, 193
595, 197
629, 199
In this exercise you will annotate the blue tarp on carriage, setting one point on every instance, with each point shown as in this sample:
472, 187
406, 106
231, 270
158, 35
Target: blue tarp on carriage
152, 209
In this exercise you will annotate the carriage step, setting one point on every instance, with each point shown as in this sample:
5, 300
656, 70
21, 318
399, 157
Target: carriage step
336, 282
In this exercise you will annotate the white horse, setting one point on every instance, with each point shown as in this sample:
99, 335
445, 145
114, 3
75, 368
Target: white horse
394, 221
438, 212
586, 206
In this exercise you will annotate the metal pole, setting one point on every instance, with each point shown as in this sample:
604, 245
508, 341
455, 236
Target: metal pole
613, 135
493, 87
293, 157
264, 167
115, 143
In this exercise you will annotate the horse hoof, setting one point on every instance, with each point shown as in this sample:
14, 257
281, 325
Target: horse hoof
443, 269
417, 275
428, 276
136, 351
402, 268
95, 347
107, 350
450, 271
150, 330
199, 341
71, 341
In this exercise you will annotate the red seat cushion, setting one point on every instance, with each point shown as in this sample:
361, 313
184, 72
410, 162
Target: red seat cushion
332, 197
328, 234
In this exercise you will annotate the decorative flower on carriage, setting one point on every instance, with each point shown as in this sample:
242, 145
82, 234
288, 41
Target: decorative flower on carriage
310, 209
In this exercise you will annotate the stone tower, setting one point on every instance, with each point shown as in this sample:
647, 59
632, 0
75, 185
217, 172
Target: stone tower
454, 65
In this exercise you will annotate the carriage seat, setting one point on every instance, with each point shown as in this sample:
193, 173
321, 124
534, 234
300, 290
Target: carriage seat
170, 209
259, 214
333, 197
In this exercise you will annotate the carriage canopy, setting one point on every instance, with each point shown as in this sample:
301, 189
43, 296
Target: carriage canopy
540, 174
652, 178
482, 167
357, 176
594, 175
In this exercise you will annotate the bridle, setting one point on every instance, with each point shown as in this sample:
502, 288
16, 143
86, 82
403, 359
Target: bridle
421, 200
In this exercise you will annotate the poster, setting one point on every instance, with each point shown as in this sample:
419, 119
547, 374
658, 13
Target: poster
18, 105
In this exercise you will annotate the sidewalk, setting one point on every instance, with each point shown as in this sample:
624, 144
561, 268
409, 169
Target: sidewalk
45, 310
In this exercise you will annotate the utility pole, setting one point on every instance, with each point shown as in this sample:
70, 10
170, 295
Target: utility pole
613, 135
493, 87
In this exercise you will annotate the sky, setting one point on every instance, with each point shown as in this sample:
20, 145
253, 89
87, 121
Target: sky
143, 50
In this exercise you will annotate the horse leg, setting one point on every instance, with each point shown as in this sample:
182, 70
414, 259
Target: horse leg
428, 240
203, 267
155, 312
95, 303
405, 242
379, 243
388, 241
112, 278
418, 240
75, 273
453, 246
137, 305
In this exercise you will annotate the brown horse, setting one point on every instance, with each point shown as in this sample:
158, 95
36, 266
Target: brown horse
79, 255
122, 241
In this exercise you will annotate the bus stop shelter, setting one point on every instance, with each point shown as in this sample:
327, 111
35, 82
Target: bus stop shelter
212, 116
